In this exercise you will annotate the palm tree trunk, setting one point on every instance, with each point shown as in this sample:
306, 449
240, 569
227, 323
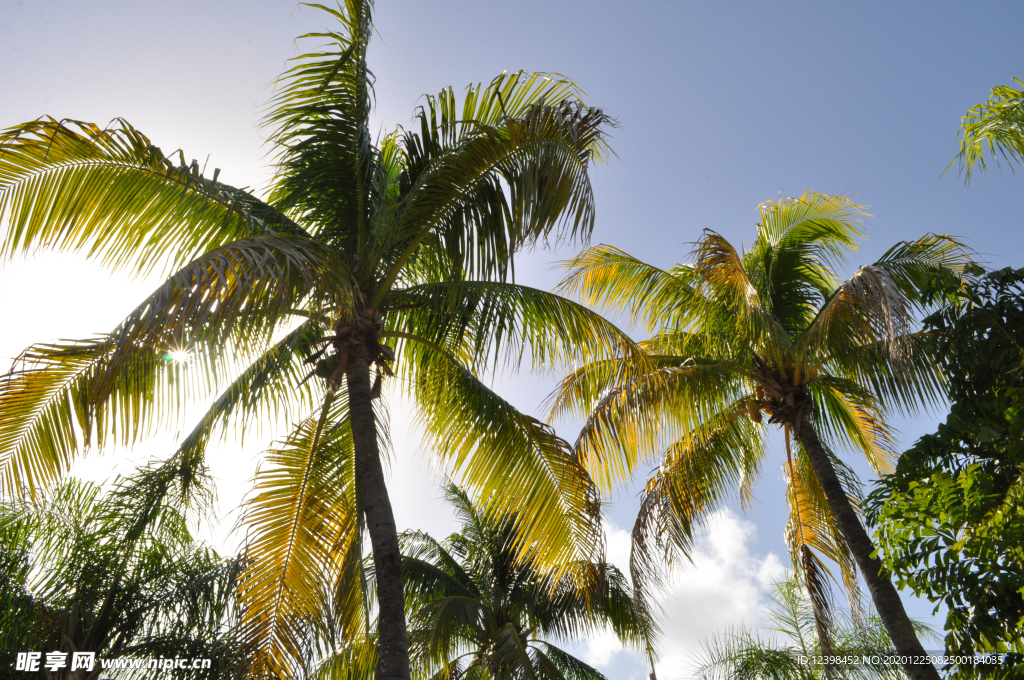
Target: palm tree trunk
393, 640
887, 600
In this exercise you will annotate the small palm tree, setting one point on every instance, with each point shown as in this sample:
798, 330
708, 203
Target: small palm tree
367, 257
115, 573
768, 331
477, 610
795, 653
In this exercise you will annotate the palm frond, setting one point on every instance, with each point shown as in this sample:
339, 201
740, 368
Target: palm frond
508, 325
811, 533
867, 308
725, 283
606, 276
111, 194
917, 266
994, 127
554, 663
319, 121
849, 414
118, 388
271, 385
631, 422
513, 462
534, 166
799, 243
697, 474
301, 522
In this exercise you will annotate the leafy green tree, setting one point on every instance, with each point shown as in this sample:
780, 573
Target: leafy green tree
773, 331
116, 573
794, 652
477, 610
995, 127
367, 256
950, 520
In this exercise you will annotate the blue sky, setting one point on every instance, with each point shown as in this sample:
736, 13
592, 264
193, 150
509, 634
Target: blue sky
722, 105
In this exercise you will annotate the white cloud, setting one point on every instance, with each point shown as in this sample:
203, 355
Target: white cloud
724, 587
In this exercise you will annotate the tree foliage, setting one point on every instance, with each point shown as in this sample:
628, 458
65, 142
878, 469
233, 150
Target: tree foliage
477, 611
117, 573
746, 339
950, 520
995, 129
368, 260
791, 649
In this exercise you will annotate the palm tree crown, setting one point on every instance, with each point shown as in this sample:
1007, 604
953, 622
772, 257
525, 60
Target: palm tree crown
478, 611
368, 256
769, 331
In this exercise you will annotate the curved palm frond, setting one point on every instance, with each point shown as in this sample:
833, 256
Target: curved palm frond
632, 422
849, 414
536, 166
916, 266
487, 322
698, 472
122, 386
994, 127
726, 284
319, 120
554, 663
113, 195
302, 523
272, 385
609, 277
905, 384
799, 242
516, 463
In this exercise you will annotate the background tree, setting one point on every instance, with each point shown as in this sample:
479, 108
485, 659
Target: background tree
286, 308
771, 331
116, 573
477, 610
793, 654
950, 520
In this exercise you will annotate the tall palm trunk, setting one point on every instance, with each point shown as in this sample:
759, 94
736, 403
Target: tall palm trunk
393, 640
886, 599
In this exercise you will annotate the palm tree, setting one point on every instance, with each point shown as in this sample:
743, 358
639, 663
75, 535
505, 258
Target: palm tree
795, 653
285, 308
117, 574
997, 127
477, 610
771, 330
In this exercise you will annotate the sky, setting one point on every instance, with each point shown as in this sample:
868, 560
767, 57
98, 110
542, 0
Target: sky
721, 106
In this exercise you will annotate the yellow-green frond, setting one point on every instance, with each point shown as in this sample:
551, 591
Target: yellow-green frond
111, 194
513, 463
633, 421
608, 277
301, 522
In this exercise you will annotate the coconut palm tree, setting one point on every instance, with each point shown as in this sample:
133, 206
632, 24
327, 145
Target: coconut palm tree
477, 610
117, 574
366, 257
794, 653
744, 340
995, 127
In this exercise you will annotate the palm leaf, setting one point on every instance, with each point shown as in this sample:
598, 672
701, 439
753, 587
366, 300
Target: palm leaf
696, 475
606, 276
112, 194
993, 127
301, 521
512, 461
